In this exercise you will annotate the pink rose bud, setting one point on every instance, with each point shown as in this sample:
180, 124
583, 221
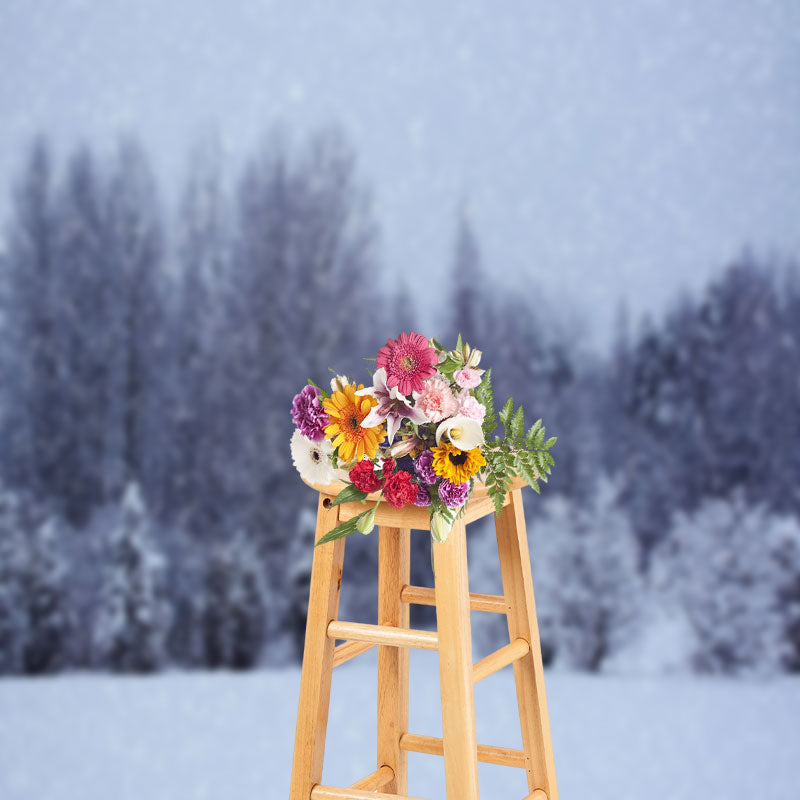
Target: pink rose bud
467, 378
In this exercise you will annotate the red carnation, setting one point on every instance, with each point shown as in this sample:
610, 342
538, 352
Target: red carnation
364, 478
399, 490
388, 467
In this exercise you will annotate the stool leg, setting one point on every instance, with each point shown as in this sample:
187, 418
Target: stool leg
515, 566
455, 665
315, 680
394, 560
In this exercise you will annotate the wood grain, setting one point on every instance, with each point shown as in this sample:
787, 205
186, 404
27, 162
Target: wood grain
423, 596
413, 517
376, 781
383, 634
499, 659
393, 636
515, 568
315, 679
455, 665
505, 756
334, 793
478, 488
344, 652
394, 564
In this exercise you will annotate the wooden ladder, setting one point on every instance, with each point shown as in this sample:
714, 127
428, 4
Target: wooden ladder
393, 636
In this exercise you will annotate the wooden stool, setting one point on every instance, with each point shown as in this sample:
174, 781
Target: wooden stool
453, 640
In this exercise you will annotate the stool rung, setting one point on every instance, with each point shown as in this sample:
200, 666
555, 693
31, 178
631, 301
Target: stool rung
376, 780
422, 596
505, 756
539, 794
344, 652
383, 634
499, 659
334, 793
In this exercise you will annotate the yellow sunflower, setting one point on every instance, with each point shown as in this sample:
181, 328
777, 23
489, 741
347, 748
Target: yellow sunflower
458, 466
346, 411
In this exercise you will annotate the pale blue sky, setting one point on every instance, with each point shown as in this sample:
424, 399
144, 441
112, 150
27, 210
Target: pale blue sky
605, 149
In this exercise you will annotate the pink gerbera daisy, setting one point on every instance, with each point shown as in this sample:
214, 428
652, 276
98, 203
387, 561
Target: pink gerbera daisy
408, 361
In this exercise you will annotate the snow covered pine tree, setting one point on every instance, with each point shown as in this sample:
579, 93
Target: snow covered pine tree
133, 617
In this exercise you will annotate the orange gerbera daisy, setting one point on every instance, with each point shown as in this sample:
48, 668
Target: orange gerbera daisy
346, 411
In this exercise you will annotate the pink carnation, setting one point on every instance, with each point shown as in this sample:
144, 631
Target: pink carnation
468, 406
437, 400
467, 378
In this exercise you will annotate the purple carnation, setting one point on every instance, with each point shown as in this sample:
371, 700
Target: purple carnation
308, 413
423, 466
453, 495
423, 496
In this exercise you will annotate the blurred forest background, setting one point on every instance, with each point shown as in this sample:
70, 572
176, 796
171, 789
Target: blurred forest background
149, 512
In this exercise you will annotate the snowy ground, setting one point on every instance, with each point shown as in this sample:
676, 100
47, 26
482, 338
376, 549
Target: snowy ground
229, 737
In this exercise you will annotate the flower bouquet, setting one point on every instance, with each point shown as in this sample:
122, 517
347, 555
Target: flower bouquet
421, 434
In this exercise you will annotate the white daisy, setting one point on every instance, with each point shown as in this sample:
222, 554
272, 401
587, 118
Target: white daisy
312, 459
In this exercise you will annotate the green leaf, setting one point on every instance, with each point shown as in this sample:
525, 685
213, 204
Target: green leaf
498, 494
348, 495
484, 393
506, 411
518, 424
527, 473
322, 393
550, 442
459, 343
343, 529
449, 366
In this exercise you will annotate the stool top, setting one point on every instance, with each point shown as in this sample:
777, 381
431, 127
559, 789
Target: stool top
478, 489
410, 516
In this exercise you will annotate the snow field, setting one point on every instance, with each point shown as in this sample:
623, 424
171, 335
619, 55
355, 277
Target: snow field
203, 736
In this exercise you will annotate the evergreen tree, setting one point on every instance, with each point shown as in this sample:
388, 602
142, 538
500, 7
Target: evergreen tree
137, 329
235, 611
132, 618
301, 552
297, 304
732, 562
697, 404
185, 576
13, 621
197, 412
82, 319
30, 432
46, 603
589, 586
784, 549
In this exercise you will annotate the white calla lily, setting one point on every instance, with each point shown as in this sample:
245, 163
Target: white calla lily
463, 432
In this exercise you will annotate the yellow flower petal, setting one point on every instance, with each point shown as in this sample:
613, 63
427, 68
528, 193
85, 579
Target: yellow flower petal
457, 466
346, 411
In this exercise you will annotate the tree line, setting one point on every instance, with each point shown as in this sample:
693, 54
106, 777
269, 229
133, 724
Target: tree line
149, 511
